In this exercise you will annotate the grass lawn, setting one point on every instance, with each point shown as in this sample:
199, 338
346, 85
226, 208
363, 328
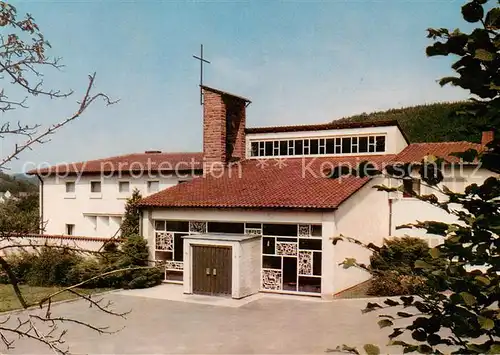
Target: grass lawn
9, 301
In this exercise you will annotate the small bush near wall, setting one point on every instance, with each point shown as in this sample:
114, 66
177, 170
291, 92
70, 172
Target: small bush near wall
394, 267
64, 267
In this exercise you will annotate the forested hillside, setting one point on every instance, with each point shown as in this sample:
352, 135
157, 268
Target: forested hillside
428, 123
16, 184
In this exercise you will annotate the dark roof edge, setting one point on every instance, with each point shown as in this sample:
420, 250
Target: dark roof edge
217, 91
318, 209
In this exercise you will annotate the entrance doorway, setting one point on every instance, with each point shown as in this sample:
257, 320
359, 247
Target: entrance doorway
212, 269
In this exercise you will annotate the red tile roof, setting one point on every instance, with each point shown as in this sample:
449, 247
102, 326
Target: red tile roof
414, 153
298, 183
145, 162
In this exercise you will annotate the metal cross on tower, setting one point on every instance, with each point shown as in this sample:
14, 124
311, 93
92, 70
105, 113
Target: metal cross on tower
202, 60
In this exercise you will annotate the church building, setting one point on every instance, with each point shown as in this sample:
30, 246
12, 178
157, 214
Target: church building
256, 211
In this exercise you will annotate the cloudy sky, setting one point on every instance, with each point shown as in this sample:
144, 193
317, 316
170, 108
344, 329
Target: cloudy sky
299, 62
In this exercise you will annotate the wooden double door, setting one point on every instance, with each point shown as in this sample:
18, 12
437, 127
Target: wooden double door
212, 269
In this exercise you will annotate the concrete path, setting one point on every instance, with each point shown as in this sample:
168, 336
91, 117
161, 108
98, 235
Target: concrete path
262, 325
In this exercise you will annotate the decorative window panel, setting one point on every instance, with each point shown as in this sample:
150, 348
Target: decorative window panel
174, 265
164, 241
253, 231
305, 263
271, 280
286, 248
197, 227
304, 230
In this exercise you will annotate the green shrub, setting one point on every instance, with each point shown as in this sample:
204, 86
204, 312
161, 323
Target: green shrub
394, 267
20, 264
394, 284
400, 254
51, 267
63, 267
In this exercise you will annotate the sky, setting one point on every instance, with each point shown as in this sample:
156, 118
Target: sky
299, 62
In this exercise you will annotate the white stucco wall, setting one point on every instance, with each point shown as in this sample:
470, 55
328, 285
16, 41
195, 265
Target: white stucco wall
410, 210
93, 214
364, 216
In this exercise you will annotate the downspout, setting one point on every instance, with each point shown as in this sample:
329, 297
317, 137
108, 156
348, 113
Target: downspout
40, 202
390, 217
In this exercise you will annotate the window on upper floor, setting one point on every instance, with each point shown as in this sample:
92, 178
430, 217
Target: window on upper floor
411, 187
153, 186
70, 187
123, 186
95, 186
70, 229
319, 146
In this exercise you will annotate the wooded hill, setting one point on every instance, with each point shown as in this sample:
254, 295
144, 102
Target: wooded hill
428, 123
15, 184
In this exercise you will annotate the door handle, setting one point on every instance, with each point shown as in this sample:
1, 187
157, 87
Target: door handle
214, 272
207, 271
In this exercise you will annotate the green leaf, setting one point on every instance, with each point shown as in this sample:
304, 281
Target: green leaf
435, 253
371, 307
483, 280
404, 314
486, 323
420, 264
384, 323
424, 349
494, 349
391, 303
469, 299
484, 55
492, 18
472, 12
448, 80
371, 349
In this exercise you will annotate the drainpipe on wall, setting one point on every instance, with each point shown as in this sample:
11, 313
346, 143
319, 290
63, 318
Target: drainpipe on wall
40, 202
390, 217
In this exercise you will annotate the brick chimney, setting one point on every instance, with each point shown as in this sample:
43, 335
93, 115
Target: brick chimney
487, 137
224, 117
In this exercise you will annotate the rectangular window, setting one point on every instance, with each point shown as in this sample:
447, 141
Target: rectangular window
70, 187
338, 146
363, 145
354, 144
159, 225
380, 144
153, 186
262, 149
70, 229
276, 148
411, 187
298, 147
178, 226
95, 186
314, 147
291, 147
123, 186
306, 148
283, 147
330, 146
346, 145
226, 227
371, 144
322, 146
269, 149
254, 149
280, 229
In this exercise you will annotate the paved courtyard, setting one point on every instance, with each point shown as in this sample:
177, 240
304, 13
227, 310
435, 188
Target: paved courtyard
262, 324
